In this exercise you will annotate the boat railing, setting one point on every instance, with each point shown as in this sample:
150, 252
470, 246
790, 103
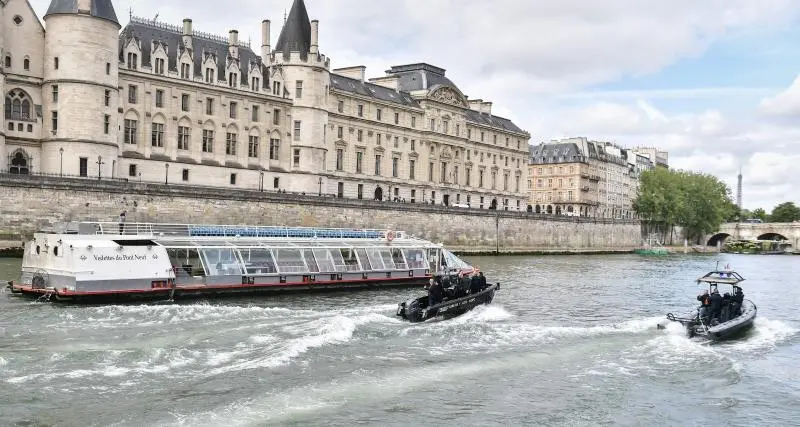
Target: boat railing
197, 230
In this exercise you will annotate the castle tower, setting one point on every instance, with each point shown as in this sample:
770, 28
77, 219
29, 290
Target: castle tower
306, 75
81, 59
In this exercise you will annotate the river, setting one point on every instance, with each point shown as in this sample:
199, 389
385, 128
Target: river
569, 340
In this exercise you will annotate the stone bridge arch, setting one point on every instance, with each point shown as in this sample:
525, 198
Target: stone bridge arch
772, 236
717, 239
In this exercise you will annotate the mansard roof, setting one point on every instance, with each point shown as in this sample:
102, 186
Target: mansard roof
148, 31
372, 90
296, 33
557, 152
102, 9
416, 77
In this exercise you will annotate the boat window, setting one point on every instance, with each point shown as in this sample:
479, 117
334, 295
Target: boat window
311, 261
364, 260
338, 259
397, 258
415, 258
257, 260
221, 261
135, 242
186, 262
386, 257
350, 260
324, 260
375, 259
290, 261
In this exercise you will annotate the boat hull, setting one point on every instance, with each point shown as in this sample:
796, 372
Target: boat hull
189, 292
731, 329
417, 310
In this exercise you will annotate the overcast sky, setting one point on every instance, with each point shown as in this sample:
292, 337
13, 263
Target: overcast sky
711, 81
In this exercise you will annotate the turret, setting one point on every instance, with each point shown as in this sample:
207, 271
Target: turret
80, 58
306, 75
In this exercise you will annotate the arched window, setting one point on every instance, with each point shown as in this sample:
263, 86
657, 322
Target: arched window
26, 64
7, 61
18, 105
19, 163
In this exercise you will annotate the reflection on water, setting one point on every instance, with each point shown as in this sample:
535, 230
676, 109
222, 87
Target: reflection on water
569, 340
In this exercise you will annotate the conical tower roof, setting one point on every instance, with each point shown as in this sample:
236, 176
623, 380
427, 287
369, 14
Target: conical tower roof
296, 33
102, 9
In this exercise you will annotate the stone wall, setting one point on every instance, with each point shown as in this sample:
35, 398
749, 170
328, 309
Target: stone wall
29, 203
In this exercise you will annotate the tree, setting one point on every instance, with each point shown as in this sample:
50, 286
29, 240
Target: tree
785, 212
759, 214
699, 203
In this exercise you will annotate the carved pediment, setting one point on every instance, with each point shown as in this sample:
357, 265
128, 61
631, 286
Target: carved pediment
341, 144
413, 155
448, 96
379, 149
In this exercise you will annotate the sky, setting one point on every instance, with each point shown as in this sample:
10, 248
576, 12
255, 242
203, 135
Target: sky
716, 83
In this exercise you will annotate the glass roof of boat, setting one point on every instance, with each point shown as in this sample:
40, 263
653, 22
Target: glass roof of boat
725, 277
256, 243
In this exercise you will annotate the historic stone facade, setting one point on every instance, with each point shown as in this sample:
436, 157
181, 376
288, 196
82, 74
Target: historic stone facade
49, 200
154, 102
578, 177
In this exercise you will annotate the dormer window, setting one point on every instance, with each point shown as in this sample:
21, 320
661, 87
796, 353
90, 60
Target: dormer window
133, 60
276, 88
255, 84
232, 79
209, 75
159, 66
185, 71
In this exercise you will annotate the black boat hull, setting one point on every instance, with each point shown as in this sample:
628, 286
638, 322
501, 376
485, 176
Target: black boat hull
417, 310
731, 329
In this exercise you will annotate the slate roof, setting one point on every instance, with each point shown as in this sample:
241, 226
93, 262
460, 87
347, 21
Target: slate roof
347, 84
102, 9
414, 77
148, 31
296, 33
566, 152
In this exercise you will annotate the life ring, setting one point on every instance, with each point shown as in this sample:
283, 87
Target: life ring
390, 235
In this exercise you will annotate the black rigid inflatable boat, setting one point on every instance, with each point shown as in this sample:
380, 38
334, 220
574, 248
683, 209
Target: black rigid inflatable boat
734, 316
417, 310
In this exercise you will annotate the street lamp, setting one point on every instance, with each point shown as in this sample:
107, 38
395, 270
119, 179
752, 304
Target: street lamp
61, 169
260, 180
320, 186
99, 164
166, 173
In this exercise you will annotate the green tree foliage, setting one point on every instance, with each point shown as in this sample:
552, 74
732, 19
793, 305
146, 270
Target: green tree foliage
697, 202
785, 212
757, 213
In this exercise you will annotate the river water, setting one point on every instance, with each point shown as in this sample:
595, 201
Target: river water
569, 340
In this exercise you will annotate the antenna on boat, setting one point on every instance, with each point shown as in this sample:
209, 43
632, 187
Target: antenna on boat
717, 267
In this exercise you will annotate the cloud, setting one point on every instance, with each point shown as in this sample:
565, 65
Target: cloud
785, 103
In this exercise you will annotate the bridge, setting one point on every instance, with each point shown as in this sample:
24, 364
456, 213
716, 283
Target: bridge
789, 231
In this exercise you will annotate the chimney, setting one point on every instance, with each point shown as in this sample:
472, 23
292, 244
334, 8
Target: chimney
187, 33
84, 6
314, 37
358, 72
265, 48
233, 43
486, 107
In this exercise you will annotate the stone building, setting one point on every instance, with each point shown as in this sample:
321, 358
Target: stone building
656, 157
579, 177
162, 103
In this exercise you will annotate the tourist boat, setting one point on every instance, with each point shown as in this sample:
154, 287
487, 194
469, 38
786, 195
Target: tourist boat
105, 261
417, 310
736, 316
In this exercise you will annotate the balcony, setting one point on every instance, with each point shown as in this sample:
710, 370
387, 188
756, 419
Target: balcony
585, 188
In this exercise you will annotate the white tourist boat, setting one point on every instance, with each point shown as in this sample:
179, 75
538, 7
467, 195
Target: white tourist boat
108, 261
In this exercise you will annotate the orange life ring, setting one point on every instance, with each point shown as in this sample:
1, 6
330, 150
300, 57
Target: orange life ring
390, 235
